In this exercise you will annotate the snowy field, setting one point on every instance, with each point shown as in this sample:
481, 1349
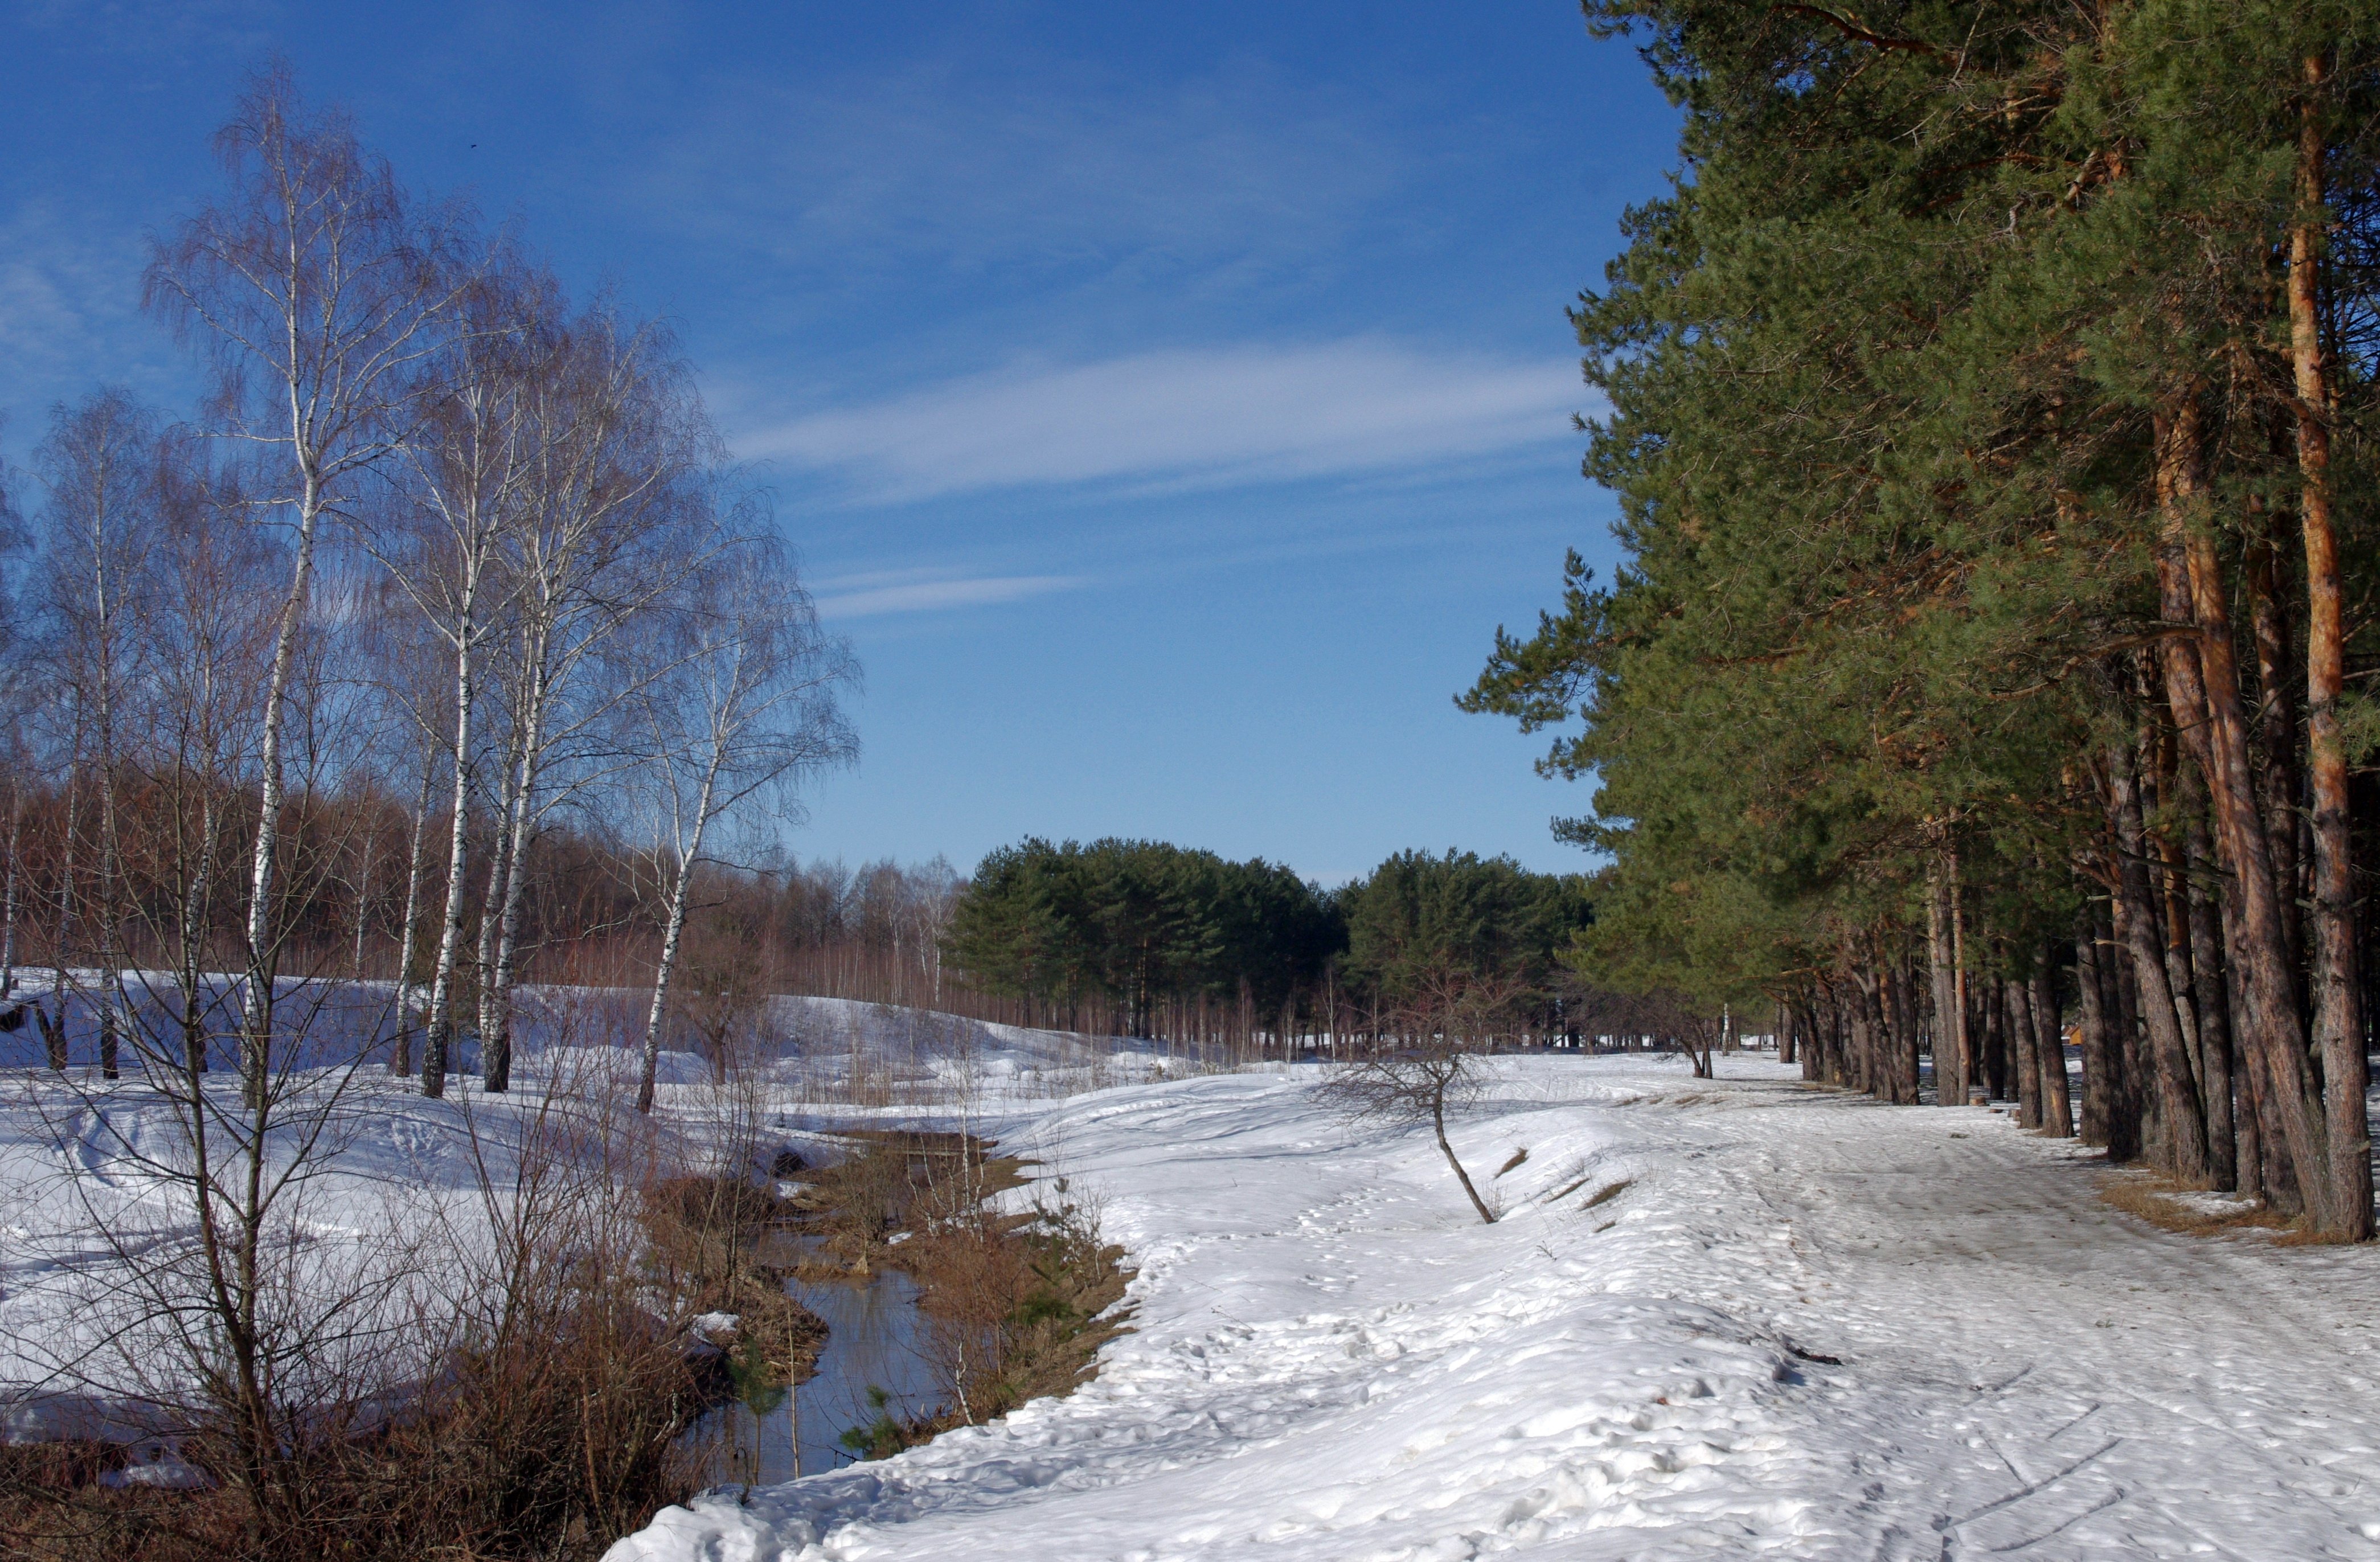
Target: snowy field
1808, 1326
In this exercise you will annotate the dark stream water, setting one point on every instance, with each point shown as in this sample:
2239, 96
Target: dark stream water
874, 1340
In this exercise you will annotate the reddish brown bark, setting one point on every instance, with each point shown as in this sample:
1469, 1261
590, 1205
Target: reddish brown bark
2093, 1011
2179, 1143
2057, 1108
2015, 998
2210, 994
2273, 1034
2343, 1209
2276, 722
1949, 1063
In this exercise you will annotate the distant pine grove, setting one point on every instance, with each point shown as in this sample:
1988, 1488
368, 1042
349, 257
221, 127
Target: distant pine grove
1990, 407
1155, 940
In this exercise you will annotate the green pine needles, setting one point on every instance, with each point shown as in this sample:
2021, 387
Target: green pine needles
1989, 408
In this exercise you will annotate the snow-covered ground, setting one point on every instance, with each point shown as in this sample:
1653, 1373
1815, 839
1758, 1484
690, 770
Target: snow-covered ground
90, 1211
1808, 1326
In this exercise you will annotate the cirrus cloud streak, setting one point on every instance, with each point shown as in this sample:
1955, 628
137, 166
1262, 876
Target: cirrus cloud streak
870, 596
1193, 417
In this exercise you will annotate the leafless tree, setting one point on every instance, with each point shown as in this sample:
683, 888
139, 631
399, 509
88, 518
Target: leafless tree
317, 284
620, 519
100, 464
1424, 1080
746, 709
466, 483
15, 765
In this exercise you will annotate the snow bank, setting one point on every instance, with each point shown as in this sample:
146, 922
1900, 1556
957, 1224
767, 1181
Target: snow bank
1809, 1325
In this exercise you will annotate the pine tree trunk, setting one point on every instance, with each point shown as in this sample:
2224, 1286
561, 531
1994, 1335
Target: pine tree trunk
2056, 1104
2133, 1124
2278, 725
2274, 1032
1950, 1068
2337, 1162
2016, 998
1962, 1040
1861, 1073
2211, 995
1990, 1021
2180, 1144
2091, 1003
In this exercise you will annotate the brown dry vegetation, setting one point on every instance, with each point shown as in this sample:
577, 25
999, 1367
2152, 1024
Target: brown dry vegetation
548, 1434
2157, 1199
547, 1445
711, 1241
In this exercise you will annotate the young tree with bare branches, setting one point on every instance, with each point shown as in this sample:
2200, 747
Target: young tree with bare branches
1424, 1080
747, 708
317, 285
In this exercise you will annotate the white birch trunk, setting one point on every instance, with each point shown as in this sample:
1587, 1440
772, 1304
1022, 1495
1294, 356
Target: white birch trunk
439, 1033
400, 1061
671, 935
8, 899
256, 1010
507, 891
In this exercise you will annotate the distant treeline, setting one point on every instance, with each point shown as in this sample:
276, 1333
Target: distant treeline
591, 912
1155, 940
1114, 938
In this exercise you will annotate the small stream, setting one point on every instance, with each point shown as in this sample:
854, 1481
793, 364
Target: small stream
874, 1340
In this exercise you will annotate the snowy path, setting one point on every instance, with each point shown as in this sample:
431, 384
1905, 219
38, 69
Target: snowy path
1335, 1361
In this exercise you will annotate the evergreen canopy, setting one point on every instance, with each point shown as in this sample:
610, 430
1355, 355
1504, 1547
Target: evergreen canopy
1990, 405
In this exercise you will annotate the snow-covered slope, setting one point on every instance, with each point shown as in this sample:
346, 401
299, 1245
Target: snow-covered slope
84, 1209
1334, 1359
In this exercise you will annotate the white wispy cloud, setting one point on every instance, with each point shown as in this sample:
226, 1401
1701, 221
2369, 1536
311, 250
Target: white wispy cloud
1192, 418
870, 595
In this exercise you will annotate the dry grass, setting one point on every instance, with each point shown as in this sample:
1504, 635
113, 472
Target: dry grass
546, 1445
1605, 1195
2161, 1202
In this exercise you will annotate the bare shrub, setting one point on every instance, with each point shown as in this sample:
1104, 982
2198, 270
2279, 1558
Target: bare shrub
1418, 1083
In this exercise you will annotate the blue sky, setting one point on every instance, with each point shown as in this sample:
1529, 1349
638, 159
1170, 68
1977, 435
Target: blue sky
1169, 402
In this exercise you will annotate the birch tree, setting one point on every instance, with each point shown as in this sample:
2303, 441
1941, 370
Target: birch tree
466, 484
100, 465
747, 708
315, 285
619, 517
